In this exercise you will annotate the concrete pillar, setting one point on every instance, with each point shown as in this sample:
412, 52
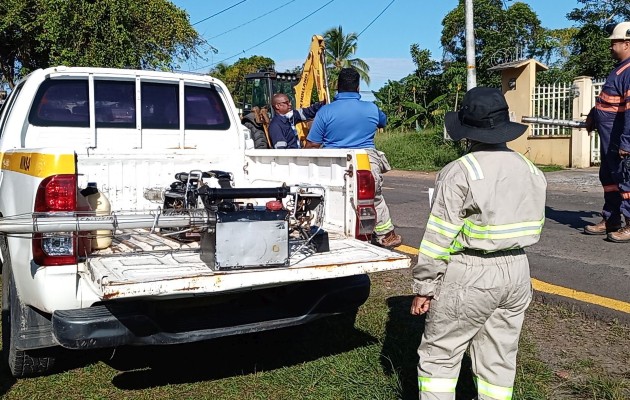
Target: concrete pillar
580, 138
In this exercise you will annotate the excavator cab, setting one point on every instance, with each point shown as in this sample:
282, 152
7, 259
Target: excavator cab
259, 87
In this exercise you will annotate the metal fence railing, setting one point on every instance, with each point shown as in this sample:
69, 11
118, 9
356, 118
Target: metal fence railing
552, 101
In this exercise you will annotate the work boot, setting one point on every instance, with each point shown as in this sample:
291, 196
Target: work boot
622, 235
390, 240
601, 228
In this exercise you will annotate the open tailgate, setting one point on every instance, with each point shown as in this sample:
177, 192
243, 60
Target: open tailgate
141, 265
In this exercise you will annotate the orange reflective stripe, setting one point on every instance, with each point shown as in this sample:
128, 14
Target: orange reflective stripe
611, 108
625, 195
608, 98
611, 188
625, 67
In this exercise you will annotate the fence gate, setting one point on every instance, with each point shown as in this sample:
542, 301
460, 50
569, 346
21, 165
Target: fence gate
552, 101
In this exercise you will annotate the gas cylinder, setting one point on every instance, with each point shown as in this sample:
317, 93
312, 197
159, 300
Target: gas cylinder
101, 206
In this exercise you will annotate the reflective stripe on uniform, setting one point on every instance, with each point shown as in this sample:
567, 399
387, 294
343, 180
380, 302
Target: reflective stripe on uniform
530, 164
494, 391
437, 385
473, 167
434, 251
507, 231
384, 226
442, 227
611, 188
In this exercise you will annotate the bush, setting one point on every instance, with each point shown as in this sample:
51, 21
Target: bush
418, 151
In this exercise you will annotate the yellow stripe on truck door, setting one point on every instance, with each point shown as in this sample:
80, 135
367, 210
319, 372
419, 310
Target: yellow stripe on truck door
38, 164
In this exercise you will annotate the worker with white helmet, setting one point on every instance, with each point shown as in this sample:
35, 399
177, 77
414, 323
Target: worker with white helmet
472, 275
611, 118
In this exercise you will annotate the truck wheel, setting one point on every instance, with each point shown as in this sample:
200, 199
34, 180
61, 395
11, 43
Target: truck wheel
22, 363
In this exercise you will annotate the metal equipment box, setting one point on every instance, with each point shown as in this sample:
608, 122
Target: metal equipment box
249, 238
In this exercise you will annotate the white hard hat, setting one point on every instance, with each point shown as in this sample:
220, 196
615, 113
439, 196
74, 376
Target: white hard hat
620, 31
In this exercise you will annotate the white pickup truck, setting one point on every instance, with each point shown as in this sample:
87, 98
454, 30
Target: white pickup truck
188, 260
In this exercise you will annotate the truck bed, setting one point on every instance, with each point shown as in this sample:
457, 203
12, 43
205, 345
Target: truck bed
139, 264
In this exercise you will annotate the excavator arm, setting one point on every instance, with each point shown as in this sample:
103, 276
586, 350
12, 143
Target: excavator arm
313, 75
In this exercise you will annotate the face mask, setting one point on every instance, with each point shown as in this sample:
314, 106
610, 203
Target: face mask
288, 115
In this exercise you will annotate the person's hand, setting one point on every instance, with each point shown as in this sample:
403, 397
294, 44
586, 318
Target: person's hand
590, 121
420, 305
623, 153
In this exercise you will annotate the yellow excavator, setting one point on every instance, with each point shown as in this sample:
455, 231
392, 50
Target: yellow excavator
261, 86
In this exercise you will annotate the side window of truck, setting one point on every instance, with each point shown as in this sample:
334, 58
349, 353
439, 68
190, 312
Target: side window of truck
8, 105
115, 104
204, 109
62, 102
160, 105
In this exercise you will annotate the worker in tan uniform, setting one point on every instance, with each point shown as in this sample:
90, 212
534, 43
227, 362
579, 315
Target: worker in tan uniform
472, 275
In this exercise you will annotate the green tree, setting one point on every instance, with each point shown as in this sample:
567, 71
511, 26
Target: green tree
418, 100
149, 34
590, 54
501, 35
340, 49
234, 75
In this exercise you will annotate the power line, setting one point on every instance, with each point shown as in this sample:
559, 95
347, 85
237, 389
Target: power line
214, 15
385, 9
266, 40
251, 20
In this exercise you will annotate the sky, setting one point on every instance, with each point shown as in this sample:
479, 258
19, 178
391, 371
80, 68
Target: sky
282, 29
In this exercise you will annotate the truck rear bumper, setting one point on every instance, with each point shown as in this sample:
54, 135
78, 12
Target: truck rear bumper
199, 318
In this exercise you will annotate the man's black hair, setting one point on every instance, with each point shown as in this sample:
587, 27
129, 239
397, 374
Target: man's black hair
348, 80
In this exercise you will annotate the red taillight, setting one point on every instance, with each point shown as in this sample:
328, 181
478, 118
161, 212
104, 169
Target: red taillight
366, 187
366, 213
56, 193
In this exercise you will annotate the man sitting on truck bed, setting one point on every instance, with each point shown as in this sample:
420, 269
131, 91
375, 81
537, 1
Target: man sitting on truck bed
349, 123
282, 126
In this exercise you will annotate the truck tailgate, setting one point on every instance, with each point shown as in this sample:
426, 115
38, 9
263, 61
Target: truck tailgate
139, 265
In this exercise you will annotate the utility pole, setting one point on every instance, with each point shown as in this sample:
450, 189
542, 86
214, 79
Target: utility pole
471, 74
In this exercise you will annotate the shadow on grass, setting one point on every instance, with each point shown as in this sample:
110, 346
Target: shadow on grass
572, 219
399, 354
145, 367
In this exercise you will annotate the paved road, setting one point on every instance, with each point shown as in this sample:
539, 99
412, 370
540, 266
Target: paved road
588, 272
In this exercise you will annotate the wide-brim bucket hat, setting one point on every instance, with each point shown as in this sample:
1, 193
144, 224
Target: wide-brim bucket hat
484, 117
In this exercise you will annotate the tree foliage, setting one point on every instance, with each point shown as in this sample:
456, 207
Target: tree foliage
501, 35
340, 49
148, 34
418, 100
234, 75
590, 54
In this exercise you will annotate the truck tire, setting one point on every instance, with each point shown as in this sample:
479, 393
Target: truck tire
22, 363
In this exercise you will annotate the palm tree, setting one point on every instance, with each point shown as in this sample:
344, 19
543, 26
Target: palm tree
339, 49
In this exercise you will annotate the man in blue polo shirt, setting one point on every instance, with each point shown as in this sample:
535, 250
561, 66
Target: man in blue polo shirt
349, 123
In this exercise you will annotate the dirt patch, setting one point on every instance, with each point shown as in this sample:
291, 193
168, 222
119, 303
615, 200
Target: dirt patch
571, 343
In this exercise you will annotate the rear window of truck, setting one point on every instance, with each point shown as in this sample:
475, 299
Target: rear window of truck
204, 109
61, 103
65, 102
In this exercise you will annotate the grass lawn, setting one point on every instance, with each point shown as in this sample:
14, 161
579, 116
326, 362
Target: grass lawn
331, 359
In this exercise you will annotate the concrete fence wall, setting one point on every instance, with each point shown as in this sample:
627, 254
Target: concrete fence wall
543, 145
